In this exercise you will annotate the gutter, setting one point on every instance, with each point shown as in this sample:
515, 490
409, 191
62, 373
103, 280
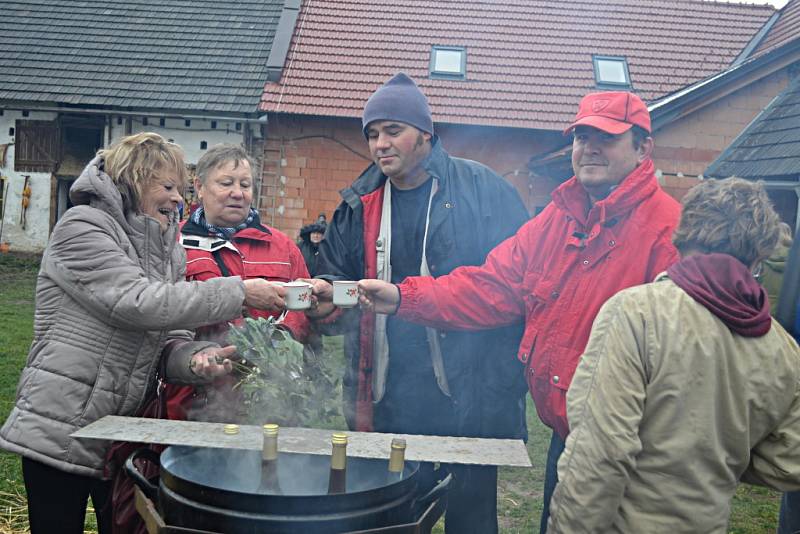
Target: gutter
168, 114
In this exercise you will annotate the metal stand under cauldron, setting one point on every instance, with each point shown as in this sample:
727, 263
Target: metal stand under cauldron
155, 524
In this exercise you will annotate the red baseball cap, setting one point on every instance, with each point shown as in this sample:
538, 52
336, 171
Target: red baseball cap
612, 111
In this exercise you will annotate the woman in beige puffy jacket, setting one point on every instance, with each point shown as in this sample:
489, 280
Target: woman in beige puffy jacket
113, 313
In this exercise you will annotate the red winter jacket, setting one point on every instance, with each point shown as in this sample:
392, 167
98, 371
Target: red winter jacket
262, 253
556, 272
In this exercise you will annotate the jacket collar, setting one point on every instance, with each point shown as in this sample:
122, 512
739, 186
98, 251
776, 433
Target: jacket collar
254, 231
372, 178
573, 199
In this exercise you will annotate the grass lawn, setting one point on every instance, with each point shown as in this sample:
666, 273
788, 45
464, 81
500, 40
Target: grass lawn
755, 509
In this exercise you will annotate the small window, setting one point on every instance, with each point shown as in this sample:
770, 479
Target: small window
449, 62
203, 145
213, 125
187, 123
611, 72
145, 122
162, 122
238, 126
119, 120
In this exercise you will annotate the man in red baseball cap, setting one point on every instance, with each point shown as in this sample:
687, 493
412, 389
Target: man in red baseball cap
611, 138
607, 228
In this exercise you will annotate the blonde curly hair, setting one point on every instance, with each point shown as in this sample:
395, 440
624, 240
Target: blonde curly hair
731, 216
132, 162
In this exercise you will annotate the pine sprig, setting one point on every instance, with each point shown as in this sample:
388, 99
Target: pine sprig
280, 383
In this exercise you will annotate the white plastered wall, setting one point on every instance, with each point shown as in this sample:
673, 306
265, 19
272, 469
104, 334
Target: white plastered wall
33, 238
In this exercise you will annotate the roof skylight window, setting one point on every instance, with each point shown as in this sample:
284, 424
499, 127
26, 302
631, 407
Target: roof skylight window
449, 62
611, 72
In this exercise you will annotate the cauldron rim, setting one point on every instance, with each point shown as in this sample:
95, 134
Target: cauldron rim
241, 500
347, 512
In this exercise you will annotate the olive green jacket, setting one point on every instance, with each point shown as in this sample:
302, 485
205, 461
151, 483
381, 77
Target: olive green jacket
668, 411
772, 275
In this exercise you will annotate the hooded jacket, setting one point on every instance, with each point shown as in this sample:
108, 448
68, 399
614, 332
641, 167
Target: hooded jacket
472, 211
311, 250
110, 297
671, 407
556, 273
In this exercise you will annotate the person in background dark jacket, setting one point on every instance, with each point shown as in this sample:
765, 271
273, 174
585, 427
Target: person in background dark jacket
417, 210
311, 235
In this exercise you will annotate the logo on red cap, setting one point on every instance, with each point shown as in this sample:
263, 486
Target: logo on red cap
612, 111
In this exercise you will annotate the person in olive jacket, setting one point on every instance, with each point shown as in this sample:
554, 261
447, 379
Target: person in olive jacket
112, 309
687, 386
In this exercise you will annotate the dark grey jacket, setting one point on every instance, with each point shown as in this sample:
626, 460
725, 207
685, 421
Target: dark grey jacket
473, 210
109, 298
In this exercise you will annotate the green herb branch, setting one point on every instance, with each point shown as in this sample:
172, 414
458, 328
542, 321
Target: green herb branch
280, 382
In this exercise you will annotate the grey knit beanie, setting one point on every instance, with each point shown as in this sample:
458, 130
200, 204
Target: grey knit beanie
399, 99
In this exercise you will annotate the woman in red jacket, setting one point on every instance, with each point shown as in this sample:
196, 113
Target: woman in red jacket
224, 237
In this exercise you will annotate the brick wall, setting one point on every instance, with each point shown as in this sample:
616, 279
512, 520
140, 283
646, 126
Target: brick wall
686, 147
307, 160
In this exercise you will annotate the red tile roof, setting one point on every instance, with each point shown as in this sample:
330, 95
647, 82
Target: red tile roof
785, 29
528, 61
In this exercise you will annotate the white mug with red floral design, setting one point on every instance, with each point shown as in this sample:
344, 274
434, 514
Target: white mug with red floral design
298, 295
345, 293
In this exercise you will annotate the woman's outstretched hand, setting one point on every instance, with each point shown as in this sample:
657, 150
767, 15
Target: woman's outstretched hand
212, 362
263, 295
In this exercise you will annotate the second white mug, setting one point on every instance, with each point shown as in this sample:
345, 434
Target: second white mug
345, 293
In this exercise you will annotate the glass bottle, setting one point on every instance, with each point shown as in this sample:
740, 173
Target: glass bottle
397, 458
269, 461
337, 480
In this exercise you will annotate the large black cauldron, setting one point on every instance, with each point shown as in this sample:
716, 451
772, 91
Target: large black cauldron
218, 490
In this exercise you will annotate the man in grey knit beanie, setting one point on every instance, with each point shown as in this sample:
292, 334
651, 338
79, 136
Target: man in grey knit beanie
418, 210
399, 99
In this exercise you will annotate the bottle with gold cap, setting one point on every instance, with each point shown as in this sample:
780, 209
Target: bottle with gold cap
337, 480
397, 459
269, 461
